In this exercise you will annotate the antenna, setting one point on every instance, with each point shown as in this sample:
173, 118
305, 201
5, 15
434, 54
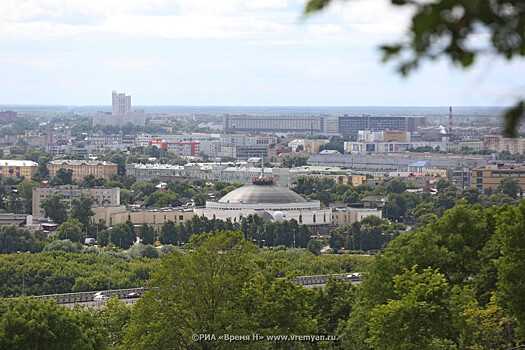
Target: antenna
262, 166
450, 122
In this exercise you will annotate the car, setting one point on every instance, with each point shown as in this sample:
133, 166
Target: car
132, 295
100, 297
353, 276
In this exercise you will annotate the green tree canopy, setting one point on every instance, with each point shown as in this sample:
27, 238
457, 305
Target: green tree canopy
14, 239
81, 208
42, 324
146, 234
71, 229
55, 208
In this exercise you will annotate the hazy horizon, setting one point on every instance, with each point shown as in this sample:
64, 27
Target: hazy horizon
270, 110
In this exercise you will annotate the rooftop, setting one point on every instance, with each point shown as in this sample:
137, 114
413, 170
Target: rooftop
255, 194
10, 162
79, 162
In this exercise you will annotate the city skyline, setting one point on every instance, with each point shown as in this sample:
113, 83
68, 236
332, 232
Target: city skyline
236, 53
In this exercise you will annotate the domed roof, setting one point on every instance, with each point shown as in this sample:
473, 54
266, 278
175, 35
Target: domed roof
253, 194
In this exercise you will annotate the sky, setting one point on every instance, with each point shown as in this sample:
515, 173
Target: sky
227, 53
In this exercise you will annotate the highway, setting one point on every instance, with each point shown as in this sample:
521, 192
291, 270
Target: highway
86, 298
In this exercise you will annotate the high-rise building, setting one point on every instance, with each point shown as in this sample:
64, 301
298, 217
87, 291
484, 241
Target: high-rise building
121, 112
121, 104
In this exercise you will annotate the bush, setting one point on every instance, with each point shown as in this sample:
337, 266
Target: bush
62, 244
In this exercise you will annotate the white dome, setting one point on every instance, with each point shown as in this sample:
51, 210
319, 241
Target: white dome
278, 216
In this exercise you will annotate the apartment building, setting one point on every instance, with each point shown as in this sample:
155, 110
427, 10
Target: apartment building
490, 175
18, 168
499, 143
82, 168
347, 215
102, 196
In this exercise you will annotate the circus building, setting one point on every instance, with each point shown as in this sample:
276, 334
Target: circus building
271, 202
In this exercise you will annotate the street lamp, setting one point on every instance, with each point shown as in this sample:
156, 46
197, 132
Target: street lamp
109, 277
23, 272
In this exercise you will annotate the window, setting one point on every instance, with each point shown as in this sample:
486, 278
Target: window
300, 219
181, 218
314, 218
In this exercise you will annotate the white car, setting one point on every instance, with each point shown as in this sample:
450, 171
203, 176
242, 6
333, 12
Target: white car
99, 297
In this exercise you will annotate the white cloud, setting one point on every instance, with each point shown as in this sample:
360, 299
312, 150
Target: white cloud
38, 19
266, 4
323, 29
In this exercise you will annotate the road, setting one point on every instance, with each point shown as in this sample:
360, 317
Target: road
86, 298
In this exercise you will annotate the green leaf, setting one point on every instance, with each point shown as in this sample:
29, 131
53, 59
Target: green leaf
467, 58
512, 119
316, 5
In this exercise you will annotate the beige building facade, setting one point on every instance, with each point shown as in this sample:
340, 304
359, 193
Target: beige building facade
82, 168
102, 196
154, 217
491, 175
499, 143
18, 168
347, 216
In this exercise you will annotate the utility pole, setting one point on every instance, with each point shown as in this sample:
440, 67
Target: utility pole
109, 277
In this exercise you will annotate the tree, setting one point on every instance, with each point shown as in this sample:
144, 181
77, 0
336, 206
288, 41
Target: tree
15, 204
445, 28
169, 233
125, 197
114, 318
471, 195
314, 246
91, 181
71, 229
25, 192
54, 207
64, 245
122, 235
396, 185
511, 280
442, 184
63, 177
489, 327
150, 252
294, 160
496, 199
509, 186
195, 293
146, 234
14, 239
417, 318
142, 189
42, 324
81, 208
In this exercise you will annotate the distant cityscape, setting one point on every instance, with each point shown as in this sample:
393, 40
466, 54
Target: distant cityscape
420, 150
